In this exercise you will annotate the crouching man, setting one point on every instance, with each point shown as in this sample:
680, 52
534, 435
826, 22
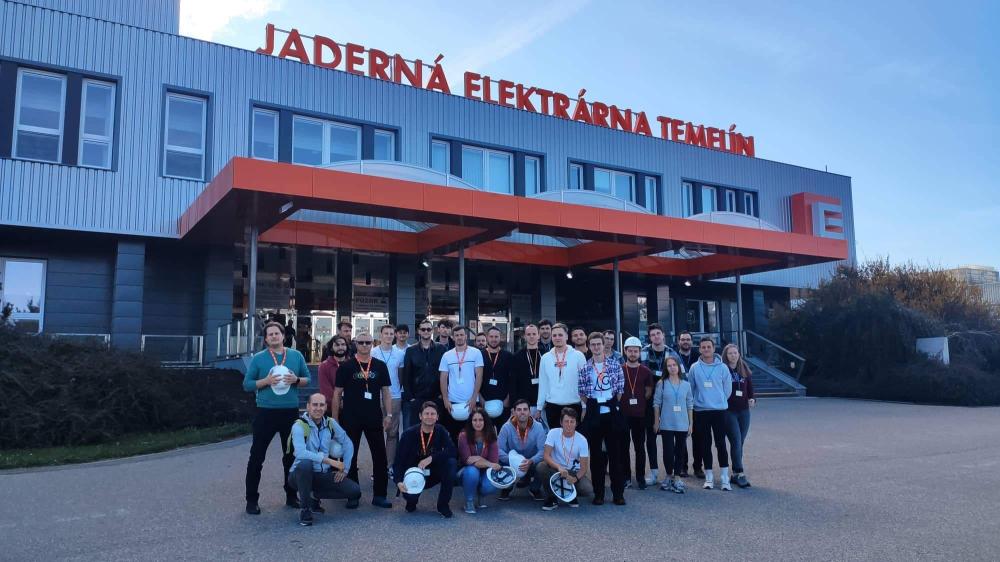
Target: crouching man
322, 449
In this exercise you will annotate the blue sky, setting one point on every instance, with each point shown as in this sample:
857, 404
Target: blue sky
901, 96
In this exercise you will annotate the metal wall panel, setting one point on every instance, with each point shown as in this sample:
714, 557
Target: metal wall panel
158, 15
136, 199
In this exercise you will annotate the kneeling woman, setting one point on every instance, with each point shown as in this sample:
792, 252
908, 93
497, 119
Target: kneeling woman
477, 452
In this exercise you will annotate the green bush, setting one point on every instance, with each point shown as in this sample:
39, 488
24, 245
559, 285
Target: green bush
58, 393
858, 332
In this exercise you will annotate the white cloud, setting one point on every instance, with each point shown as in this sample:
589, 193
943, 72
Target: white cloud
516, 36
208, 19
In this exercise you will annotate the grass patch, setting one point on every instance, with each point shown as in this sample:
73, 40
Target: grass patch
126, 446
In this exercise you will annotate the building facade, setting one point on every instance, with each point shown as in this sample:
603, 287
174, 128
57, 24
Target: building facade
112, 125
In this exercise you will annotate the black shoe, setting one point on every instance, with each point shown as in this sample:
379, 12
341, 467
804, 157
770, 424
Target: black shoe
305, 518
642, 483
684, 474
537, 495
445, 512
380, 501
549, 504
574, 503
619, 501
504, 495
411, 507
352, 504
699, 473
317, 507
292, 501
596, 501
253, 508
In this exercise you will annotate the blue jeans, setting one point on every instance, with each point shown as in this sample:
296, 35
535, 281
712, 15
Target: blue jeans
474, 480
737, 428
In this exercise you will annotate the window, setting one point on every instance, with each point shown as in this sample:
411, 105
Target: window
265, 135
440, 156
22, 286
97, 124
730, 200
575, 176
489, 169
652, 201
184, 144
708, 200
531, 173
385, 145
38, 110
701, 316
748, 206
318, 143
687, 199
619, 184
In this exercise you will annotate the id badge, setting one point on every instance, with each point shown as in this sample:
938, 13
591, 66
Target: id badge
708, 384
677, 408
534, 381
659, 374
368, 396
633, 401
493, 382
739, 393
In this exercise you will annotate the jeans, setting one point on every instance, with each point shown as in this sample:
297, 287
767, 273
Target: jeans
266, 423
474, 481
392, 434
674, 452
442, 472
637, 430
737, 428
372, 430
411, 414
605, 453
321, 485
709, 424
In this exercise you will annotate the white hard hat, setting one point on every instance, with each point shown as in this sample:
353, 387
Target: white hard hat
562, 488
503, 478
632, 342
460, 411
515, 459
414, 480
494, 408
282, 387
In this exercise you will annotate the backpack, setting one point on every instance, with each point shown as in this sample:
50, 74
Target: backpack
306, 430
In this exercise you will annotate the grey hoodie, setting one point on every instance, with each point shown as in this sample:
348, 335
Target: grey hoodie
711, 384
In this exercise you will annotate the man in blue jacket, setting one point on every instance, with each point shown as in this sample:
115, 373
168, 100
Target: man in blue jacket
525, 436
322, 449
711, 385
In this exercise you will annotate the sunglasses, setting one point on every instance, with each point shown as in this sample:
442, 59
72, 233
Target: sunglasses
363, 342
426, 329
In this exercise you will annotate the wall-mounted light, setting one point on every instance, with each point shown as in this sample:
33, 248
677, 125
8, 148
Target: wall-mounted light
687, 283
425, 263
569, 274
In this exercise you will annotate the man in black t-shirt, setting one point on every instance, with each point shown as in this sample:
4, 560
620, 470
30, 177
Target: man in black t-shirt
362, 382
497, 363
524, 369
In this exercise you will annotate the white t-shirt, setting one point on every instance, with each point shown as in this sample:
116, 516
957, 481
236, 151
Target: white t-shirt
563, 389
602, 393
567, 451
461, 376
392, 359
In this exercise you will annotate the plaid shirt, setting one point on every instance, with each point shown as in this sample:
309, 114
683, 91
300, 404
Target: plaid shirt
613, 378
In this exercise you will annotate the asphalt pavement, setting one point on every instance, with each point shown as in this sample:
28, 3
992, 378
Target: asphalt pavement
832, 480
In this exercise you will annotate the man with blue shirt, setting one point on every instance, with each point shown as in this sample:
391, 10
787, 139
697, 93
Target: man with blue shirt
526, 437
711, 385
316, 472
275, 375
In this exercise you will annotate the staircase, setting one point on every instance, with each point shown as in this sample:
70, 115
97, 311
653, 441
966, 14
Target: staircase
772, 365
768, 382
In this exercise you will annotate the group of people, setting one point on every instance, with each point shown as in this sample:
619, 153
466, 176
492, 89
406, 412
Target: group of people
442, 412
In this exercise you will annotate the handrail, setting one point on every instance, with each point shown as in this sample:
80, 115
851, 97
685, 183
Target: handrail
786, 350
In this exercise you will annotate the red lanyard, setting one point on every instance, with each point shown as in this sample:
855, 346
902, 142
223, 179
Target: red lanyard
600, 374
425, 445
461, 360
493, 359
365, 369
631, 380
275, 357
560, 362
523, 436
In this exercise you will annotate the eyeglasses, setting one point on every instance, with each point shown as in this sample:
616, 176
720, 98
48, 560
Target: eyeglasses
363, 342
426, 329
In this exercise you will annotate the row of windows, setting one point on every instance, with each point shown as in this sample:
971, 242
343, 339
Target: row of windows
39, 110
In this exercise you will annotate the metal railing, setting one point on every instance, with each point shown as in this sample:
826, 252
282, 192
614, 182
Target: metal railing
173, 350
87, 340
774, 354
232, 339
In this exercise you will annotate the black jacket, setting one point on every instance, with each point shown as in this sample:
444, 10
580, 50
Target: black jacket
408, 452
502, 374
419, 373
521, 375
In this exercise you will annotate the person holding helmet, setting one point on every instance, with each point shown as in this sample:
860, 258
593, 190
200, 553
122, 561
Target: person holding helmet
428, 448
601, 384
477, 452
275, 375
322, 450
461, 377
638, 390
496, 378
568, 455
523, 439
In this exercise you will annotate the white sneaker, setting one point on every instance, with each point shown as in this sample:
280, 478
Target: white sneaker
651, 479
724, 477
709, 484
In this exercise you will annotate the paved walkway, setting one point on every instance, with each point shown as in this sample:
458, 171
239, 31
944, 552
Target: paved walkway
833, 480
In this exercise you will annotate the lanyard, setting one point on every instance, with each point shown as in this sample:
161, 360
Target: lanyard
600, 374
676, 391
425, 445
461, 359
274, 357
523, 436
365, 370
560, 362
493, 359
631, 380
567, 453
533, 365
381, 353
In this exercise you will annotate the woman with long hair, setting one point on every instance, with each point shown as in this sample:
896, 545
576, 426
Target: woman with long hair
477, 452
738, 413
673, 419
